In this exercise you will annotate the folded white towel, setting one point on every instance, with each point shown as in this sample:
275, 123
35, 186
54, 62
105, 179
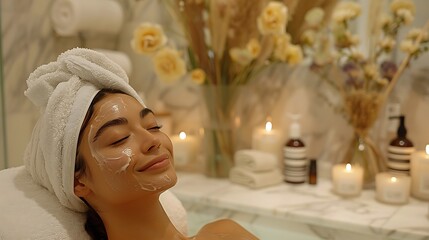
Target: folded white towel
254, 160
64, 90
255, 180
69, 17
29, 211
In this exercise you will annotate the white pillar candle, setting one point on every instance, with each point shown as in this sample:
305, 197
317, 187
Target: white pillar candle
392, 188
183, 149
347, 180
420, 174
267, 140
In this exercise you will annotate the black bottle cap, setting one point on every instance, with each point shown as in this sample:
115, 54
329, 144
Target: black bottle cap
402, 131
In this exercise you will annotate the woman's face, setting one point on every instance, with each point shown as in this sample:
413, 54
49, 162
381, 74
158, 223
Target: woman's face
124, 150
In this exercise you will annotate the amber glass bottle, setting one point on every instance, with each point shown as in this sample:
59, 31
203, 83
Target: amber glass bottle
400, 150
295, 157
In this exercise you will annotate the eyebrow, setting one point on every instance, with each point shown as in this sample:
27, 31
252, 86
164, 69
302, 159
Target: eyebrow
119, 121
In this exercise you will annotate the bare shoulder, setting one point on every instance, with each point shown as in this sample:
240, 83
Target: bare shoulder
224, 229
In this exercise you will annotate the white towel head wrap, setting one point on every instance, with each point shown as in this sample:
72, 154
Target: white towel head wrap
64, 90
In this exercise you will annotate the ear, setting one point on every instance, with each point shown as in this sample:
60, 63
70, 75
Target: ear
80, 188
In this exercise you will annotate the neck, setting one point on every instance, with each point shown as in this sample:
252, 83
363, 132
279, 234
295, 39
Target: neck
140, 219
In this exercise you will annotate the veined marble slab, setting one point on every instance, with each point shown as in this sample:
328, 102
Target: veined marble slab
301, 211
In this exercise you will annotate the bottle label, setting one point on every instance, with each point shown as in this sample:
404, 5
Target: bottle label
295, 162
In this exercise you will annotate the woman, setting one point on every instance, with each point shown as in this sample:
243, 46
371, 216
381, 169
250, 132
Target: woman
123, 161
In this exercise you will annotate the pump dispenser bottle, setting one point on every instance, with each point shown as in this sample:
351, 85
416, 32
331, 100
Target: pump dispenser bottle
295, 156
400, 150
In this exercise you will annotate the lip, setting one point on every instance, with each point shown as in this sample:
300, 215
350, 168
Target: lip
158, 162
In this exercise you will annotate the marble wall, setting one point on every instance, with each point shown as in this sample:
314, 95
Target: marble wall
29, 40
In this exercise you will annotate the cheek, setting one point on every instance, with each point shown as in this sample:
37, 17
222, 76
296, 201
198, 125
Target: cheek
166, 142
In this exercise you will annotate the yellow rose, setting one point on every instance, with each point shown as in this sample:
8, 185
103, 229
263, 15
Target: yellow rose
254, 47
148, 38
198, 76
241, 56
293, 54
273, 19
397, 5
169, 66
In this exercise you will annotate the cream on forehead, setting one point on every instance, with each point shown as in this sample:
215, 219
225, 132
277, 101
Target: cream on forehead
111, 108
118, 161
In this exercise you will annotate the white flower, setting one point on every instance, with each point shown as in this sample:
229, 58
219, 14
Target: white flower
315, 16
397, 5
370, 71
346, 11
405, 15
387, 44
409, 46
240, 56
356, 55
148, 38
385, 20
414, 33
273, 19
198, 76
169, 66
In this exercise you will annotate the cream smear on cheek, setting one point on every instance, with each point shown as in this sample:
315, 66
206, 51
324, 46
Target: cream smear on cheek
118, 160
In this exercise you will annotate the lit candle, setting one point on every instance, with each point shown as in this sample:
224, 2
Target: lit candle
267, 140
347, 180
394, 189
183, 149
420, 174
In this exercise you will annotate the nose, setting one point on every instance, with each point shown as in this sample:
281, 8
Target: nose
148, 141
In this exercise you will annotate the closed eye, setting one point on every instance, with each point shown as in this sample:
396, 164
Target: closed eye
156, 128
119, 141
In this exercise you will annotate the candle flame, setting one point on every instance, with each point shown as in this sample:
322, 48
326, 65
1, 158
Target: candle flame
427, 149
393, 179
348, 167
182, 135
268, 126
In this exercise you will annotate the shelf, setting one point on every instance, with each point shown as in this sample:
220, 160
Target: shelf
314, 211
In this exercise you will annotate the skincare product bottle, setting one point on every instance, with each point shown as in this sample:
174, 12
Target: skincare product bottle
295, 156
400, 149
312, 172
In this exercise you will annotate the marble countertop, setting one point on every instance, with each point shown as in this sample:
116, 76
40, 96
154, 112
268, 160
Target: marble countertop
308, 204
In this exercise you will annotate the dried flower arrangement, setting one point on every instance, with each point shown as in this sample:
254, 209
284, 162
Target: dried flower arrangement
364, 82
368, 80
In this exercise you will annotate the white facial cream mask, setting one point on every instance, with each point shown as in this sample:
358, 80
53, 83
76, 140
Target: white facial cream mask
117, 159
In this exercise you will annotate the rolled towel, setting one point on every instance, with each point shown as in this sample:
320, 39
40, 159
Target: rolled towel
119, 58
70, 17
63, 90
254, 160
253, 179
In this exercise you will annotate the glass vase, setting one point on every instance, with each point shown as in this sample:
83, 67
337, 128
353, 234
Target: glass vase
362, 151
218, 130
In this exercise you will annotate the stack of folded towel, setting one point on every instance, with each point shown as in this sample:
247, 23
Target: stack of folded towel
255, 169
